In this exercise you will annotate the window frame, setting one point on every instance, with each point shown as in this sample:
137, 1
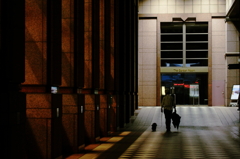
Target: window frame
186, 39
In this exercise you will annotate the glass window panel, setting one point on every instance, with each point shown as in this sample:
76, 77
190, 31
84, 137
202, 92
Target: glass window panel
197, 37
196, 63
194, 46
170, 27
197, 27
196, 54
171, 63
171, 54
171, 38
171, 46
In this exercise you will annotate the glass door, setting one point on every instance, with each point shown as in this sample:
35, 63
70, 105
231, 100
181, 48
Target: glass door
190, 88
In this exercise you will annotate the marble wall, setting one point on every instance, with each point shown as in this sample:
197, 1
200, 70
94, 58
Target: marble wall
232, 46
218, 61
181, 6
147, 61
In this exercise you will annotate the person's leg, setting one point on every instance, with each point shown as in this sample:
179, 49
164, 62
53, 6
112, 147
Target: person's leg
170, 119
168, 114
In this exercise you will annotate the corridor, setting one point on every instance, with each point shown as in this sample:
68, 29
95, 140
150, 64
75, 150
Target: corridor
204, 132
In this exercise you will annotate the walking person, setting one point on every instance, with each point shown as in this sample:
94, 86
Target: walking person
167, 107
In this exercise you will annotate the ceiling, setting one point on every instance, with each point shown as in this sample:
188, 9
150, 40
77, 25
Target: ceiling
234, 15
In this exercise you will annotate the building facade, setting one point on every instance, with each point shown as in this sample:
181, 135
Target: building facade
69, 74
186, 46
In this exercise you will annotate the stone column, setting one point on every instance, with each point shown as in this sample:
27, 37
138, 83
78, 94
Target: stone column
87, 44
101, 44
90, 119
120, 54
70, 122
43, 130
12, 101
42, 73
103, 115
71, 108
112, 113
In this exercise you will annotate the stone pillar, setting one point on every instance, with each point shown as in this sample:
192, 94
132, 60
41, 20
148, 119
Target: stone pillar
68, 40
70, 123
109, 45
87, 44
90, 119
71, 107
103, 97
120, 54
103, 115
110, 57
126, 24
42, 73
101, 44
79, 44
97, 117
73, 123
81, 123
43, 130
95, 45
112, 113
12, 101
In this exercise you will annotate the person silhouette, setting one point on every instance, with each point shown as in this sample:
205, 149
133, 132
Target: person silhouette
167, 107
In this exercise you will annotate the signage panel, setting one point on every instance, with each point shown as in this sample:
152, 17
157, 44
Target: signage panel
184, 69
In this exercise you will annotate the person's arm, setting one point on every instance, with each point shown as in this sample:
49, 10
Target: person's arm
174, 101
162, 107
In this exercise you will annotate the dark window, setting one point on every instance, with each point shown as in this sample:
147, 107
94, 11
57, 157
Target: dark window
184, 44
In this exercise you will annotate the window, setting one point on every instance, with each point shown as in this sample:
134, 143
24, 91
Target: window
184, 44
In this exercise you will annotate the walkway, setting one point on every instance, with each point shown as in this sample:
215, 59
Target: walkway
204, 132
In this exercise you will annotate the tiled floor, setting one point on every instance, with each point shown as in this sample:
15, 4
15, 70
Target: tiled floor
204, 132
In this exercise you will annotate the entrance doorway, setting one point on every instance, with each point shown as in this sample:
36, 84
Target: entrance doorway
190, 88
